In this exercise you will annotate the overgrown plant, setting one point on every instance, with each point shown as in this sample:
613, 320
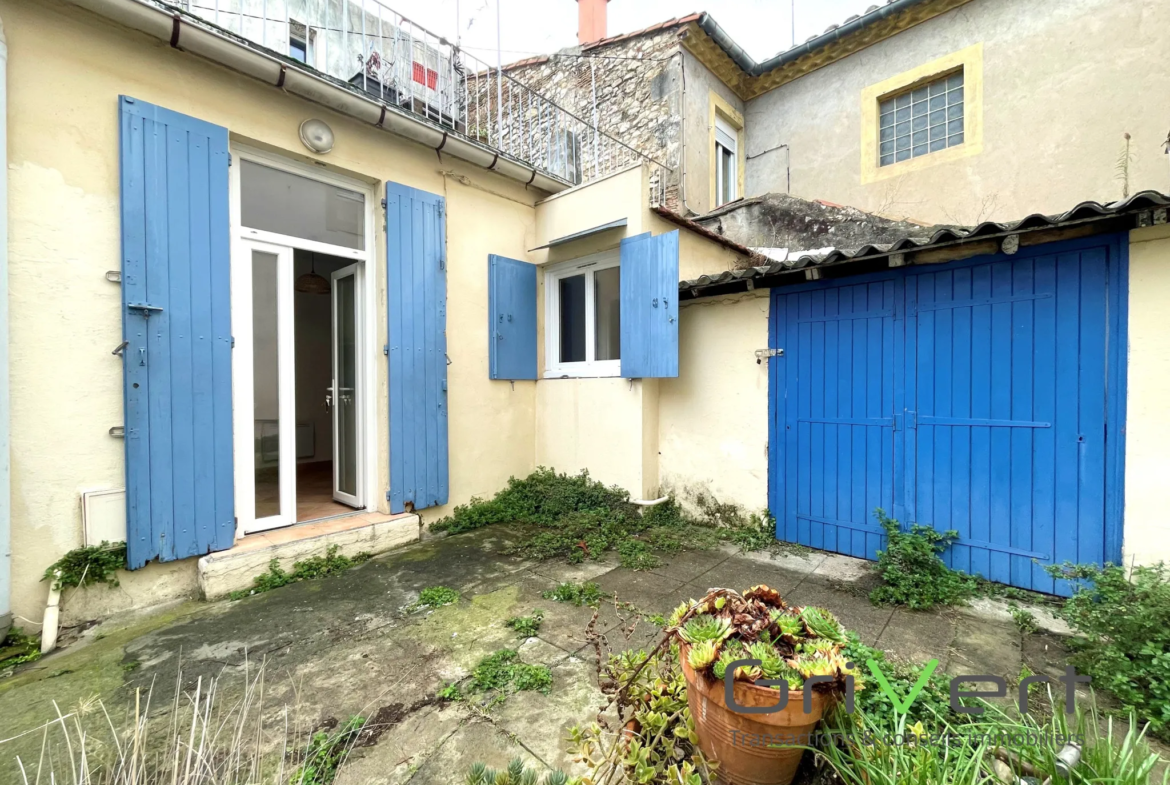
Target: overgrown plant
1025, 620
326, 752
497, 676
1124, 627
314, 567
18, 648
526, 626
912, 573
91, 564
578, 594
575, 518
433, 597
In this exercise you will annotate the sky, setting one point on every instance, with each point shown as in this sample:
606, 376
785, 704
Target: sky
762, 27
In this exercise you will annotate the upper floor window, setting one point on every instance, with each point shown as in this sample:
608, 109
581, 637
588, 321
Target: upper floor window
726, 165
302, 43
584, 316
920, 121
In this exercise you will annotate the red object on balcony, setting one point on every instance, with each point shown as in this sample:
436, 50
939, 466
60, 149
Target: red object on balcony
424, 75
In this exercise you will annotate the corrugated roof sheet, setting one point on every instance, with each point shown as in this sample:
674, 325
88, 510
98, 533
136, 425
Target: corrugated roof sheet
1082, 213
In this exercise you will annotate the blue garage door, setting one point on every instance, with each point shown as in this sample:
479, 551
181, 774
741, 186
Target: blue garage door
974, 396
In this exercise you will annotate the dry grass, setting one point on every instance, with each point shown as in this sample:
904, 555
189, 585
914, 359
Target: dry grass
202, 738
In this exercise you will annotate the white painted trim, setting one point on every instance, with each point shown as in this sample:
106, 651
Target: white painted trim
241, 239
361, 388
552, 274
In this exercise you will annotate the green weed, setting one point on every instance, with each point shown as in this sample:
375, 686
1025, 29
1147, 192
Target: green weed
18, 648
434, 597
91, 564
912, 572
326, 753
577, 593
314, 567
526, 626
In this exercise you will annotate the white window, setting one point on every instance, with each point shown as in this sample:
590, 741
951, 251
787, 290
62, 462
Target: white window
302, 43
726, 168
583, 317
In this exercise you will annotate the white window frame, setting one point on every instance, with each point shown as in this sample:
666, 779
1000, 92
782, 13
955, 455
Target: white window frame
724, 128
368, 366
552, 322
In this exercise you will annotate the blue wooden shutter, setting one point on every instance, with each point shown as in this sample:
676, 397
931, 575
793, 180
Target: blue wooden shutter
176, 320
649, 304
511, 318
416, 306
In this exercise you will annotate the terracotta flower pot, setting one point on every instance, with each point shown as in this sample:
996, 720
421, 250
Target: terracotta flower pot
744, 744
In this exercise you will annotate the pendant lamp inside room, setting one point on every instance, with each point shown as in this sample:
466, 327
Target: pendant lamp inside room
310, 282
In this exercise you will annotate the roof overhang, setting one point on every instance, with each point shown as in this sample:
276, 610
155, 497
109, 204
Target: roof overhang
568, 238
1148, 208
715, 49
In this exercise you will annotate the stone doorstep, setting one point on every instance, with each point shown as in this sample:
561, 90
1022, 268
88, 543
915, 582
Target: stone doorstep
233, 570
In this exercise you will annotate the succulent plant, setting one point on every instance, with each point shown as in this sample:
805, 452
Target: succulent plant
822, 624
790, 627
679, 612
817, 664
818, 645
703, 654
705, 628
766, 595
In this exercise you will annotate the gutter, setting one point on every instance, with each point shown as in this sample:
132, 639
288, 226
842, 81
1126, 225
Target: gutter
198, 37
5, 464
752, 68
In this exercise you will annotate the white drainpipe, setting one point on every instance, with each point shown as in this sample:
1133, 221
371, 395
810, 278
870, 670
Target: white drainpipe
5, 474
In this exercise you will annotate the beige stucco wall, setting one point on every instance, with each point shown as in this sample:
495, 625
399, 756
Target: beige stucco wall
713, 419
699, 131
1146, 537
1062, 81
66, 70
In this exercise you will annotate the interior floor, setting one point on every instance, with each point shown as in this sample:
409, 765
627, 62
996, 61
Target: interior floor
314, 493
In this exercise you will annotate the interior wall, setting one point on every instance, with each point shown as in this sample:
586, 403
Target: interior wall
313, 330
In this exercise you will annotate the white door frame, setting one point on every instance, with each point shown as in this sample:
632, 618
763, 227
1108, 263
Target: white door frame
244, 387
242, 405
360, 389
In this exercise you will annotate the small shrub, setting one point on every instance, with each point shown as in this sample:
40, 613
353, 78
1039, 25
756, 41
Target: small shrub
1124, 624
577, 593
326, 752
451, 692
434, 597
932, 703
526, 626
18, 648
502, 673
314, 567
912, 572
91, 564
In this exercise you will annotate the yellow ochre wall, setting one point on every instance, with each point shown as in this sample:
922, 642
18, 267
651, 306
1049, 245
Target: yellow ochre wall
1146, 535
67, 68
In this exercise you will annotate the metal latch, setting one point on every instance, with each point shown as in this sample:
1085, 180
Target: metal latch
144, 308
764, 354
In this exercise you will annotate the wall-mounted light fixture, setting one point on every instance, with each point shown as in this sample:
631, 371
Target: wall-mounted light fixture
317, 135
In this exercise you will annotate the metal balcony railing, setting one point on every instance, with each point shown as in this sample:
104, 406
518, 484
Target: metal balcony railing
381, 52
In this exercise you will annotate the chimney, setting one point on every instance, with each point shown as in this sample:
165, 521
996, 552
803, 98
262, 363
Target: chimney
590, 21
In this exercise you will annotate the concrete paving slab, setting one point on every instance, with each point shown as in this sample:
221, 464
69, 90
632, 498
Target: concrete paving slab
844, 568
687, 566
987, 647
476, 741
919, 636
740, 573
802, 561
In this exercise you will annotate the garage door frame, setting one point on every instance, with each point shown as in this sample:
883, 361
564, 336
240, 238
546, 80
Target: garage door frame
1117, 249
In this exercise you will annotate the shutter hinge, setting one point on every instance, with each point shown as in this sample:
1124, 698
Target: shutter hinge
233, 341
386, 349
229, 159
383, 204
387, 494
